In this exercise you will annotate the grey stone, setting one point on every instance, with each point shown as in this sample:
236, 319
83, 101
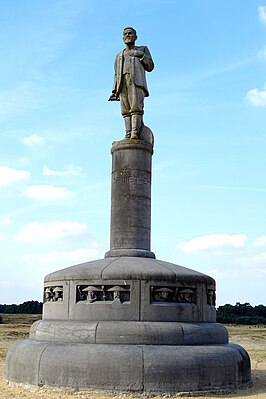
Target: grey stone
142, 368
195, 368
204, 334
86, 270
22, 361
157, 337
129, 332
105, 310
140, 275
93, 366
63, 331
131, 199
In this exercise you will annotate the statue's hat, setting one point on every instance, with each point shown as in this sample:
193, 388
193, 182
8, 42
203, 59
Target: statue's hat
116, 288
163, 289
58, 289
92, 288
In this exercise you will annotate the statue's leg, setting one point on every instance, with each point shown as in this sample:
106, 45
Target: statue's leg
136, 125
136, 100
127, 120
125, 106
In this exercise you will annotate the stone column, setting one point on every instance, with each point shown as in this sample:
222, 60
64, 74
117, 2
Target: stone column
131, 199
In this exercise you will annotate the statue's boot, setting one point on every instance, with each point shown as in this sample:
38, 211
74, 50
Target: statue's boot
127, 120
136, 121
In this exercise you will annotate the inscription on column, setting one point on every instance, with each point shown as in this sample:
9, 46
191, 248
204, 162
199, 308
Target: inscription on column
126, 176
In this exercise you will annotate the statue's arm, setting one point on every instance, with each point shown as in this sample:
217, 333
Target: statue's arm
146, 60
114, 96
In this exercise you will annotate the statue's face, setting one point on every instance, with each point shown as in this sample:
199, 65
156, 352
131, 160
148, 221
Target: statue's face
129, 36
91, 295
164, 295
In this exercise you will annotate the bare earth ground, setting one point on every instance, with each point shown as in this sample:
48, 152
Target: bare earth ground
252, 338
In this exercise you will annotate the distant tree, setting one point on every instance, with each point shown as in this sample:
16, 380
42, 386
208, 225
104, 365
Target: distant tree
29, 307
241, 314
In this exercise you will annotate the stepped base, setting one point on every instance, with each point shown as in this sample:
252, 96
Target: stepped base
157, 334
138, 368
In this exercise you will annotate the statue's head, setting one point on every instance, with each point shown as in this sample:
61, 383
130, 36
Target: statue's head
129, 35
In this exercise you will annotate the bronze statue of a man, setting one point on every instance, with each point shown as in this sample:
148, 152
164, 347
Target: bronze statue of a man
130, 86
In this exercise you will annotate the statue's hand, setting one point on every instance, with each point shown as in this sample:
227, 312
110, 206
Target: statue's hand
137, 53
113, 97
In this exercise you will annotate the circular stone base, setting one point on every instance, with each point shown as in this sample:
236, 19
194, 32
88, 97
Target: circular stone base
129, 332
141, 368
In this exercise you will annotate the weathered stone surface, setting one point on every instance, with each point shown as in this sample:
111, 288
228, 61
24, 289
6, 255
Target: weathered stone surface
129, 268
131, 199
22, 361
141, 276
63, 331
195, 368
129, 332
94, 366
142, 368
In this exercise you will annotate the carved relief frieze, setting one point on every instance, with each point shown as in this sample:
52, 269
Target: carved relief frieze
53, 294
103, 293
211, 297
186, 295
172, 294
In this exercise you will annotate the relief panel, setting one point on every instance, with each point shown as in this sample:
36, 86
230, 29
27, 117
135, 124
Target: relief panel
53, 294
163, 294
211, 297
103, 293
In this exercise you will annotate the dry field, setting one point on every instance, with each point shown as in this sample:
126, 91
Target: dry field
252, 338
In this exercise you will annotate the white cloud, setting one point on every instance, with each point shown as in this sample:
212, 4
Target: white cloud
52, 259
262, 13
46, 192
2, 237
213, 241
33, 139
69, 170
261, 258
44, 232
260, 241
257, 97
9, 175
6, 221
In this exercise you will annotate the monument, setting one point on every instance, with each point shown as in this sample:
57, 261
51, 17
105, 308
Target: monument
129, 322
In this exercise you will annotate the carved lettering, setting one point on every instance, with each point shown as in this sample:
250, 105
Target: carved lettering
134, 177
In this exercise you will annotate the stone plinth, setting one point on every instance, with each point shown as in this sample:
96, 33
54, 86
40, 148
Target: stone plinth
129, 324
131, 199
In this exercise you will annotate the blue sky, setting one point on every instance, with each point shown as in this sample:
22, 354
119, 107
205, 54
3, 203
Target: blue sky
207, 109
